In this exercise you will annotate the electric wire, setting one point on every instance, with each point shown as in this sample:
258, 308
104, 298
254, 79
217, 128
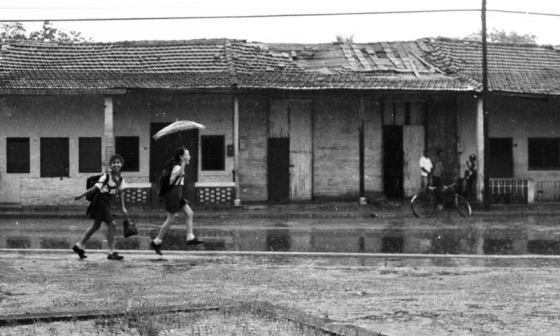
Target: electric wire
214, 17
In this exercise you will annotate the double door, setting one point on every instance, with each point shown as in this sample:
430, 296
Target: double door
290, 150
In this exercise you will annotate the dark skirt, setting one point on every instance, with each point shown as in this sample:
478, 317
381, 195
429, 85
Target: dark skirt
100, 207
174, 200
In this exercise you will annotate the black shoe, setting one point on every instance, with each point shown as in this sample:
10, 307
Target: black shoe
115, 256
195, 241
80, 251
156, 247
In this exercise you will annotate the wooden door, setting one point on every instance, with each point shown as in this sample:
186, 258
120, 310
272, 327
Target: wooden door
278, 169
301, 150
161, 151
393, 161
413, 148
290, 141
501, 158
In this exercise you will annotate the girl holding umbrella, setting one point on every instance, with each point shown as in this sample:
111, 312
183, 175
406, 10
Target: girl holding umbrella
175, 203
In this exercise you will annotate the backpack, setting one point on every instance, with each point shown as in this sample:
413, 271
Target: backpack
92, 180
164, 177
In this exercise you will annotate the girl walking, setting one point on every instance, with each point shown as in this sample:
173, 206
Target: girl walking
175, 203
100, 207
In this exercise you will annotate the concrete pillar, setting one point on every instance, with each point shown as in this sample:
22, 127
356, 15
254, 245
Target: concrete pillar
109, 134
237, 201
480, 150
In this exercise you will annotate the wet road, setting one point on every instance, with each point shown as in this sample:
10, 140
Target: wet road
444, 234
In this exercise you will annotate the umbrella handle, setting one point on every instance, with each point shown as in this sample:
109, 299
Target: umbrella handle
180, 136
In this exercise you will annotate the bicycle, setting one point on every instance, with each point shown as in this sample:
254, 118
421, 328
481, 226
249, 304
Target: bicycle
425, 203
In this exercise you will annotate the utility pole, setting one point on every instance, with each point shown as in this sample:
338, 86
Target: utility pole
485, 128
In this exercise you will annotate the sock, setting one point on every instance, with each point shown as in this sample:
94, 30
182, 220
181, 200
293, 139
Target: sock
157, 241
81, 246
190, 236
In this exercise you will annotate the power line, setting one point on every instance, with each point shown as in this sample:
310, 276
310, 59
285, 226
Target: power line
281, 15
248, 16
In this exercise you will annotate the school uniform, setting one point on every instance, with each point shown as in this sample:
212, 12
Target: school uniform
174, 200
101, 206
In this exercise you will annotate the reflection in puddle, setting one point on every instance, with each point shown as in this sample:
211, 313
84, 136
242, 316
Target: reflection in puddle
278, 240
445, 244
504, 237
392, 245
551, 247
18, 242
497, 246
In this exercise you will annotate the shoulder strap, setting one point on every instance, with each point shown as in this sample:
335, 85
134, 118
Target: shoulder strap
177, 178
107, 177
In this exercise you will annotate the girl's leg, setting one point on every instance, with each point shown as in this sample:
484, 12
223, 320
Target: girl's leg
90, 231
110, 234
188, 220
165, 227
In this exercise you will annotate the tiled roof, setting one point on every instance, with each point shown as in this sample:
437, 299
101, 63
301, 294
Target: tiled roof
514, 68
221, 63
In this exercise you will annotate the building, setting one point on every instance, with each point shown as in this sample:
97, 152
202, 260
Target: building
284, 122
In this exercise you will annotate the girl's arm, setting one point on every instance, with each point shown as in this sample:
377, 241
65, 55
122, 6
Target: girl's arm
121, 193
87, 192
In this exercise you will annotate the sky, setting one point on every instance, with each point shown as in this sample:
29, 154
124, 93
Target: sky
322, 29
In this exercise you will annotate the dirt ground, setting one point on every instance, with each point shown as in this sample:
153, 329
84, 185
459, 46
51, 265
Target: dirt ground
394, 296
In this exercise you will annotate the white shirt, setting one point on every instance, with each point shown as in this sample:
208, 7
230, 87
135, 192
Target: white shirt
174, 175
425, 163
102, 186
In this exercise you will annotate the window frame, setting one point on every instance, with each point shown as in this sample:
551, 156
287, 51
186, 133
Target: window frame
545, 160
54, 163
26, 163
128, 159
221, 161
83, 147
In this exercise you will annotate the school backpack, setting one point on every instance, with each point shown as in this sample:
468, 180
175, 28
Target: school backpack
92, 180
164, 185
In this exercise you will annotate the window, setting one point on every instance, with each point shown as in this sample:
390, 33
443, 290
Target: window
213, 152
129, 149
55, 157
403, 113
17, 155
89, 155
544, 153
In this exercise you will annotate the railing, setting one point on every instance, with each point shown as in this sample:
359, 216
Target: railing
511, 191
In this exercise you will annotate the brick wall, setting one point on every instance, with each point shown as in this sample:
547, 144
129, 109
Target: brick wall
373, 142
51, 191
335, 143
253, 126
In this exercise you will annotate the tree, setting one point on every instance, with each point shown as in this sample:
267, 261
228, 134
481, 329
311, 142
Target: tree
12, 31
16, 32
500, 36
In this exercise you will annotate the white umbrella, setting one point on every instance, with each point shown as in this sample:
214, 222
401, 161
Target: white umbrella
178, 126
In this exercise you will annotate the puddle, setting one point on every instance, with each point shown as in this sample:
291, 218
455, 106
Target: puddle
446, 235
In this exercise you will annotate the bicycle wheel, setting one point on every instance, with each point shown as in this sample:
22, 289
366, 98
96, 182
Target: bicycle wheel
423, 205
463, 206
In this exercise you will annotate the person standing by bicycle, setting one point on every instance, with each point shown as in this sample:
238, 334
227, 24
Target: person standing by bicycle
425, 170
471, 179
436, 179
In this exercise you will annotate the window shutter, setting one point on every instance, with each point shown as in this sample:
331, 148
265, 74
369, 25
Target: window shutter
90, 155
17, 155
129, 149
213, 152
